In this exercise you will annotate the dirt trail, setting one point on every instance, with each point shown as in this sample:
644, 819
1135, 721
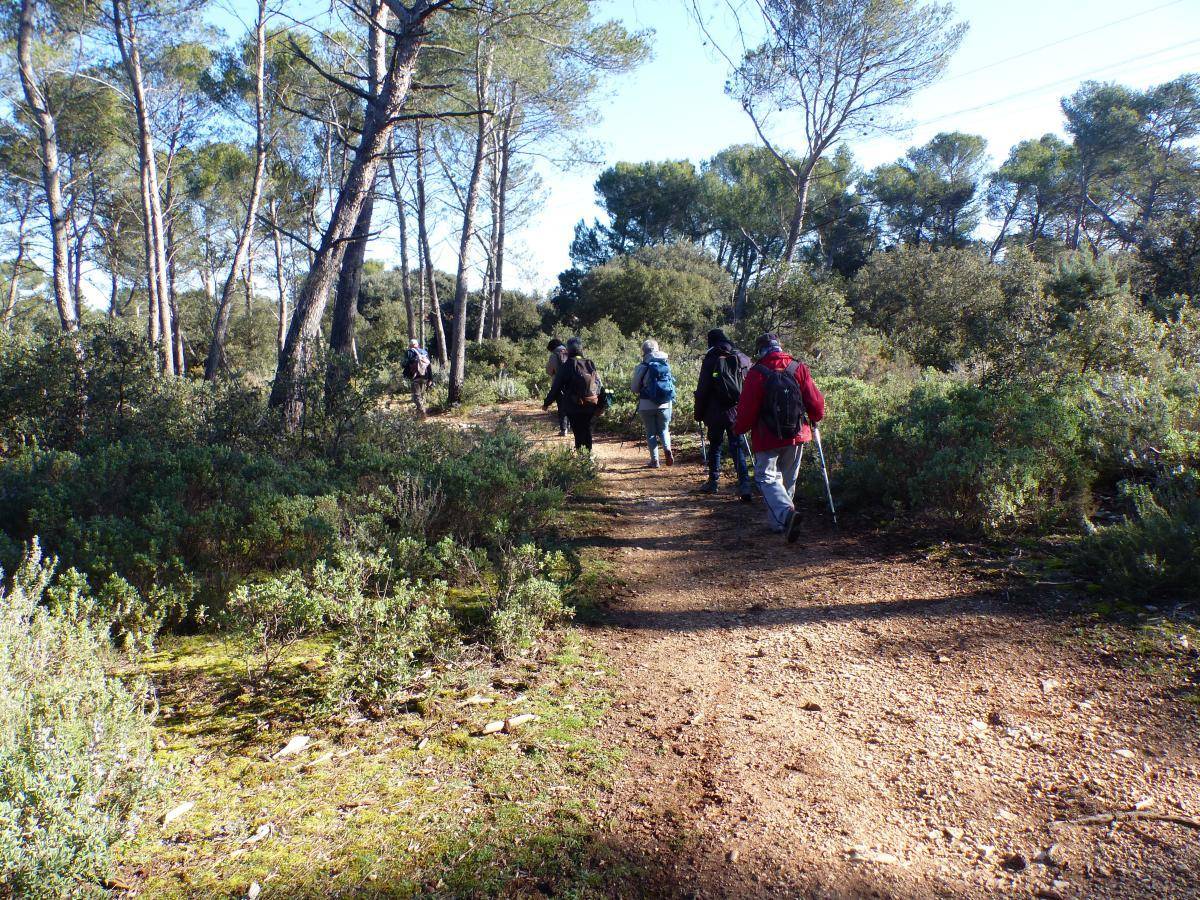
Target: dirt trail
849, 717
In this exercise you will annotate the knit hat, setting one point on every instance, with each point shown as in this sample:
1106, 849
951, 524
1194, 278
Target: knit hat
717, 336
574, 346
767, 343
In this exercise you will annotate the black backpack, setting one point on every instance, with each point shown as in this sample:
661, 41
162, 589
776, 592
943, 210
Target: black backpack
727, 376
782, 408
583, 385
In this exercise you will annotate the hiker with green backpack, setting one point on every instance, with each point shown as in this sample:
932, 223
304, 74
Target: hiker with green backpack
654, 386
578, 388
722, 373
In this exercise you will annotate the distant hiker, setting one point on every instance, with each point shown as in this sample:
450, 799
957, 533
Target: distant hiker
654, 386
577, 385
558, 356
419, 371
722, 373
779, 400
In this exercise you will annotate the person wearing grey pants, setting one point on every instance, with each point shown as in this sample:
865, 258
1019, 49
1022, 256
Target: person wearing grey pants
655, 388
778, 406
775, 471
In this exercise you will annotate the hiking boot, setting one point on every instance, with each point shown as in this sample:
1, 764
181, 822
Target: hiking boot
668, 456
562, 432
745, 494
791, 531
710, 487
653, 464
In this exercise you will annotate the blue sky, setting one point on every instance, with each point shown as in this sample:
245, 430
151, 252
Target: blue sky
674, 106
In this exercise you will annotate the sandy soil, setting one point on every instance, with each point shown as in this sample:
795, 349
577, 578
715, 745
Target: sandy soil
853, 716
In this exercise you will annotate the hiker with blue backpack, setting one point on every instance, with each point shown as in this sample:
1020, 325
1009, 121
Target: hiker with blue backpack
779, 406
654, 386
722, 373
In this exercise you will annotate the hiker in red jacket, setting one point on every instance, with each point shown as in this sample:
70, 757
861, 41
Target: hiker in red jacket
779, 400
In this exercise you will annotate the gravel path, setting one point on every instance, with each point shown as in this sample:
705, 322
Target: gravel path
852, 716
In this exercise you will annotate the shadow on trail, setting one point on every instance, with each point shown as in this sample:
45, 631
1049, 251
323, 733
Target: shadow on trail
667, 863
712, 619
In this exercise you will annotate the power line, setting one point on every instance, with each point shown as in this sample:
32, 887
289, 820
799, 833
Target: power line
1056, 83
1063, 40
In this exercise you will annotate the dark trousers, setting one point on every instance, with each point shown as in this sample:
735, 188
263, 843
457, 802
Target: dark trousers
581, 427
717, 438
562, 419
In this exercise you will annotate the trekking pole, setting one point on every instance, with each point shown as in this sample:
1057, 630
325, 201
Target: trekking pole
703, 443
825, 472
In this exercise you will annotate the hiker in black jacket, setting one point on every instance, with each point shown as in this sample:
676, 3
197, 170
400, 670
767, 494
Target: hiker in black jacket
577, 386
721, 375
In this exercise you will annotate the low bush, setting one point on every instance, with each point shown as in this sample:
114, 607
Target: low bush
530, 598
386, 629
979, 459
75, 742
1154, 552
191, 520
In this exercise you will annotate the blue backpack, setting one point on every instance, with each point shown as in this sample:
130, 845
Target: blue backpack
658, 385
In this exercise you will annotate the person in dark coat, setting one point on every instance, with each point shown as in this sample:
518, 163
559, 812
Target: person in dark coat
716, 407
554, 362
580, 408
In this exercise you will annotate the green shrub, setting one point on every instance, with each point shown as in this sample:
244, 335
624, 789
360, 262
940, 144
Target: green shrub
48, 399
75, 744
530, 599
196, 518
276, 613
131, 620
986, 459
386, 629
1155, 551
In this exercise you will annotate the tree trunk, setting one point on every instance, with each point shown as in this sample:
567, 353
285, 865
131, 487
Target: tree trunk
47, 132
114, 279
796, 227
176, 333
345, 304
485, 290
343, 356
155, 241
402, 219
458, 357
502, 218
423, 237
216, 349
305, 327
743, 284
14, 283
280, 283
420, 294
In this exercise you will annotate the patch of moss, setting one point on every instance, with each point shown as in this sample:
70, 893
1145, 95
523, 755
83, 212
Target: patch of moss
409, 805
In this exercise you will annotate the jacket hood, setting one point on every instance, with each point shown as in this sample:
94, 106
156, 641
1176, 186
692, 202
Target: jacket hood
724, 346
657, 354
776, 359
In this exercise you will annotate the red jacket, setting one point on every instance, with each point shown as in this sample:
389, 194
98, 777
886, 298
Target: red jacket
750, 403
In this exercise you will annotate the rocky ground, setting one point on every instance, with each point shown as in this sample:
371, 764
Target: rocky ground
855, 716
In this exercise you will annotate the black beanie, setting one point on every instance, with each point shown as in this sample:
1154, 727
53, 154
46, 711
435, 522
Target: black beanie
717, 336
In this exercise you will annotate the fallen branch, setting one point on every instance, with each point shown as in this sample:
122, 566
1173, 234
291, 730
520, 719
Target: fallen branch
1113, 817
